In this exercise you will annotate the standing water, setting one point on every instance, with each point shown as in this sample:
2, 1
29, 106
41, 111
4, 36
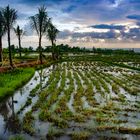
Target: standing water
10, 122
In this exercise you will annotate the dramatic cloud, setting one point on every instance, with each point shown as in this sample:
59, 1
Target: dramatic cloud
84, 20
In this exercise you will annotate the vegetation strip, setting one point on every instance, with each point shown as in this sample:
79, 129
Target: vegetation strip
11, 81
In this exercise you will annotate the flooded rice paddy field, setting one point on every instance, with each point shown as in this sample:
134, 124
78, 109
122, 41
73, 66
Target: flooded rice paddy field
75, 100
132, 64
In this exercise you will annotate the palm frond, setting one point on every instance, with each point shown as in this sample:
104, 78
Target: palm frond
2, 26
39, 22
52, 32
19, 32
9, 16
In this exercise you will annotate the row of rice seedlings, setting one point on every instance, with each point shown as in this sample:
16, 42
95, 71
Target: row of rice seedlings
122, 84
103, 83
101, 76
45, 94
85, 93
115, 121
52, 84
29, 118
83, 111
114, 86
133, 78
129, 82
80, 135
54, 95
28, 123
121, 99
54, 132
77, 97
34, 90
110, 102
16, 137
46, 113
96, 83
63, 107
116, 89
62, 111
89, 91
84, 78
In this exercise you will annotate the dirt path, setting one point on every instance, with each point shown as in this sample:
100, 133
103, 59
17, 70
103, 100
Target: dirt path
18, 65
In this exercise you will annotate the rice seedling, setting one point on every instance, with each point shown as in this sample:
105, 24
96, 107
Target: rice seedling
28, 123
53, 132
81, 135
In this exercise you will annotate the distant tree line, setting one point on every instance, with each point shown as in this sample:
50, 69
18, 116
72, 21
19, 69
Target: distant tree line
112, 51
65, 48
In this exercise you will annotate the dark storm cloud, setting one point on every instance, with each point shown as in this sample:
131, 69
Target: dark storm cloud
39, 1
136, 17
102, 10
108, 35
106, 26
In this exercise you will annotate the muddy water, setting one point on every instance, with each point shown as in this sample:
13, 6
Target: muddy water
10, 122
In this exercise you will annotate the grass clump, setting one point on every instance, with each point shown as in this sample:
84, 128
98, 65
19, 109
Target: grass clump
54, 132
125, 130
33, 92
82, 135
17, 137
28, 123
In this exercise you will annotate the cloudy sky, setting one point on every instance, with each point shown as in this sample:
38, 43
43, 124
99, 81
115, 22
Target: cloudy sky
85, 23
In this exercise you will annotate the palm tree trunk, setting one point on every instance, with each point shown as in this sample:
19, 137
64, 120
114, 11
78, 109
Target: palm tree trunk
40, 50
9, 46
53, 57
0, 48
19, 41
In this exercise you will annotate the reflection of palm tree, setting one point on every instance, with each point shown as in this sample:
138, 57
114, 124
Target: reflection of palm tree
4, 110
21, 92
12, 122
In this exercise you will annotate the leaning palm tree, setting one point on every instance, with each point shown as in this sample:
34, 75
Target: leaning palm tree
2, 32
52, 34
9, 18
19, 33
39, 23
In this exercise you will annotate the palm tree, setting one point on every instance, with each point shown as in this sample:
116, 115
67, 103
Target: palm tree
9, 18
39, 23
52, 34
19, 33
2, 32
